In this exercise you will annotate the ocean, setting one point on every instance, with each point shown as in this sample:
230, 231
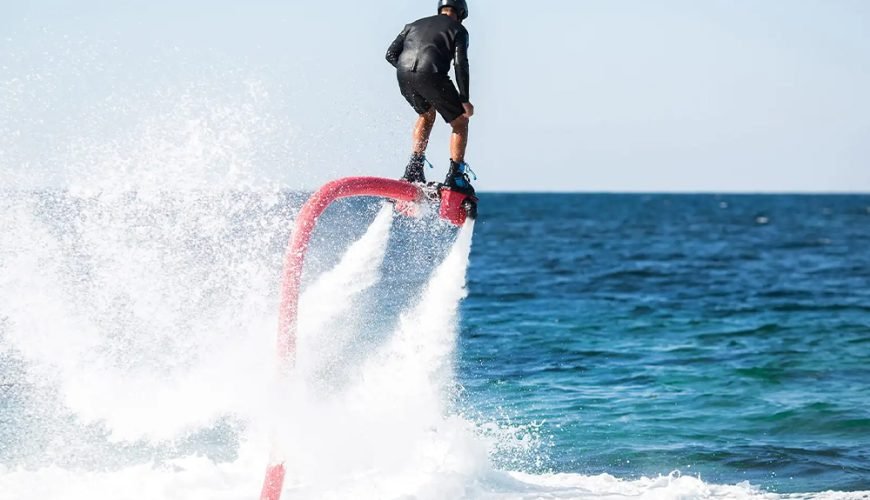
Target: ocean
562, 346
726, 336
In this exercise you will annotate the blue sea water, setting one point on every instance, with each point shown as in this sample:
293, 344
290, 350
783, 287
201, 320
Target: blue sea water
720, 335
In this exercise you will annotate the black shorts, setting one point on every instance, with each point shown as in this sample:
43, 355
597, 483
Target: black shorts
424, 90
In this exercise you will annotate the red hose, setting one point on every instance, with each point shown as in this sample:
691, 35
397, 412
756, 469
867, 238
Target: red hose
293, 264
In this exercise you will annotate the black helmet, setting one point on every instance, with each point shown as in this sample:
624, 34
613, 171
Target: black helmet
460, 6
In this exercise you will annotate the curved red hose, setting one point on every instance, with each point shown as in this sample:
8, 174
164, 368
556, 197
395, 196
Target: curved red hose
293, 264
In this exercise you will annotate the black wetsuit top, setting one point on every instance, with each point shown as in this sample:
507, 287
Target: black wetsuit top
429, 45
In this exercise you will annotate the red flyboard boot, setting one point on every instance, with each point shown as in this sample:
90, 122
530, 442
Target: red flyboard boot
458, 200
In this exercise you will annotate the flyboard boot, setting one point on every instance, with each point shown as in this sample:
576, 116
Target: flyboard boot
414, 171
415, 174
458, 199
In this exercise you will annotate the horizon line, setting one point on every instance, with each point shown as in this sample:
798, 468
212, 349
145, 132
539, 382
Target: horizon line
495, 191
686, 192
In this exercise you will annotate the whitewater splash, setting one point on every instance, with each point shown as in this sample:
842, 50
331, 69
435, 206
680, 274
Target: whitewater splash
119, 403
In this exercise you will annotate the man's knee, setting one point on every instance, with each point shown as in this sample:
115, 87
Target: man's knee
429, 116
460, 124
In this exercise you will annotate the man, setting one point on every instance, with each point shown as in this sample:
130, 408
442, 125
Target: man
422, 54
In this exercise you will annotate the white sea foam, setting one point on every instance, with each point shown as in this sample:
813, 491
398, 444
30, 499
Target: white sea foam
134, 310
199, 478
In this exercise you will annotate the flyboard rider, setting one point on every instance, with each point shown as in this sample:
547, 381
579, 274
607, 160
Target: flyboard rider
422, 54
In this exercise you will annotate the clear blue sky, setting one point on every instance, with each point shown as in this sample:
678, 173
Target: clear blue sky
571, 95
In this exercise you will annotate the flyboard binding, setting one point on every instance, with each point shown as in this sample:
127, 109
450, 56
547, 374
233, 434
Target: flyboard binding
454, 206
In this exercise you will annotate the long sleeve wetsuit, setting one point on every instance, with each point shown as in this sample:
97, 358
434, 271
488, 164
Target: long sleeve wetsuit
429, 45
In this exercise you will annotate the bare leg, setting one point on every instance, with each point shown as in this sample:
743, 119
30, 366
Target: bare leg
422, 130
459, 139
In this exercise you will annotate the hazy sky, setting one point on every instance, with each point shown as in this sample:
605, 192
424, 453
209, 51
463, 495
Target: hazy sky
606, 95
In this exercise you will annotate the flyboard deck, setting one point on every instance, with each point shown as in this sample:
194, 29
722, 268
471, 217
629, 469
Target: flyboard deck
453, 206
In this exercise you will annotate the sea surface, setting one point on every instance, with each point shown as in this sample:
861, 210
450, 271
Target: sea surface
589, 346
720, 335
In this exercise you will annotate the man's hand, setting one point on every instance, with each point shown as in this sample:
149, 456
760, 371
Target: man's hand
469, 109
